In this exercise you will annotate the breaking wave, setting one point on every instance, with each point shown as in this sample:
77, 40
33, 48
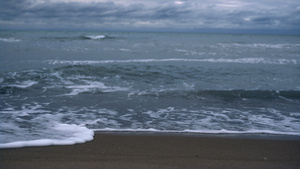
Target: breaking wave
9, 40
94, 37
211, 60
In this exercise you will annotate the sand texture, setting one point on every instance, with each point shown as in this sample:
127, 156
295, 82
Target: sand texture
109, 150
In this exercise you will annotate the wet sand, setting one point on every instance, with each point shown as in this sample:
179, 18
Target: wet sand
113, 150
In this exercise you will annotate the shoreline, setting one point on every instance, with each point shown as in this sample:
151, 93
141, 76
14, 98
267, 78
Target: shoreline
160, 150
261, 136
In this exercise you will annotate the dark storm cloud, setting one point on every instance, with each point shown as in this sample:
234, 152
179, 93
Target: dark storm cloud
150, 14
100, 14
58, 10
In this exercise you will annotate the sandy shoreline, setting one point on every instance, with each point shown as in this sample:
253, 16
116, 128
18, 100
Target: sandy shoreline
111, 150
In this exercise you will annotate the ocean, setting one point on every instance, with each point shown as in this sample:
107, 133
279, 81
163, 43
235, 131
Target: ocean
59, 87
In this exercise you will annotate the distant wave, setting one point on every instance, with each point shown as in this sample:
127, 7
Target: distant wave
94, 37
260, 45
74, 38
9, 40
212, 60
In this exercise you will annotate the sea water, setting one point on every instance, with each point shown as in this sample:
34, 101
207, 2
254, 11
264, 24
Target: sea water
57, 88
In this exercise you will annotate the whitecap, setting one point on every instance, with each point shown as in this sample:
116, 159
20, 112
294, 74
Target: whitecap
181, 50
211, 60
260, 45
92, 86
9, 40
24, 84
95, 37
125, 50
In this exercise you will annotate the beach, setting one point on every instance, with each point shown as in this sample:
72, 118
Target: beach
149, 84
144, 150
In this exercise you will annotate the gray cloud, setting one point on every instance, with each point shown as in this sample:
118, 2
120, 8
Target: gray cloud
133, 14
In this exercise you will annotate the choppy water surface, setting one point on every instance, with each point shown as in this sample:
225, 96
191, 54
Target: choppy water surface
59, 87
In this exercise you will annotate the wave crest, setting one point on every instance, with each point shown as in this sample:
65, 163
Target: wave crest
210, 60
9, 40
94, 37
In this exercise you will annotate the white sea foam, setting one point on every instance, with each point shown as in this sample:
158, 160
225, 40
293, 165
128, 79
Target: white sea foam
211, 60
93, 86
254, 61
186, 52
95, 37
24, 84
26, 110
221, 131
181, 50
58, 128
125, 50
259, 45
75, 134
210, 121
9, 40
173, 102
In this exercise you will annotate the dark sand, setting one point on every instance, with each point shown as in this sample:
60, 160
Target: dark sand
158, 151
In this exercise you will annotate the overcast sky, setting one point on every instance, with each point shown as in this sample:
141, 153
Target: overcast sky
180, 15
